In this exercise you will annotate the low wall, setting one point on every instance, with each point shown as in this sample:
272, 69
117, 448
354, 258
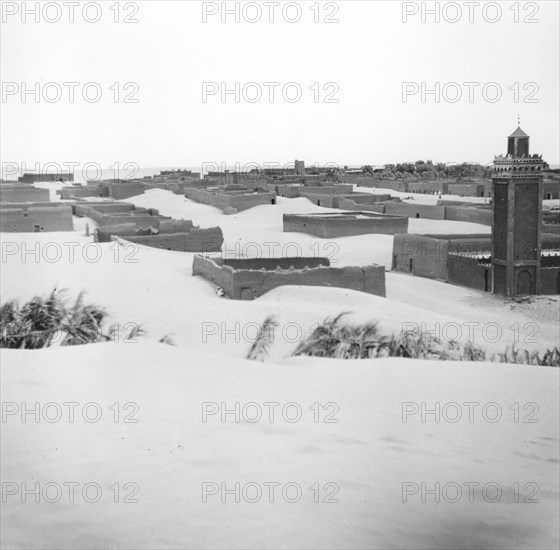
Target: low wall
140, 220
67, 193
469, 272
287, 191
351, 204
175, 226
362, 181
247, 284
119, 213
368, 198
345, 225
36, 219
466, 189
468, 214
104, 234
124, 190
434, 186
225, 201
291, 191
338, 189
326, 201
33, 178
421, 256
23, 193
196, 240
271, 264
85, 209
415, 210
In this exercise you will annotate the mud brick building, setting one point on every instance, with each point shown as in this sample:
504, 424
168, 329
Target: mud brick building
345, 224
41, 176
231, 198
35, 217
246, 279
23, 193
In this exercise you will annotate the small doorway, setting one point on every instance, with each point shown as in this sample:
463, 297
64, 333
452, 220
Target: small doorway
524, 283
246, 293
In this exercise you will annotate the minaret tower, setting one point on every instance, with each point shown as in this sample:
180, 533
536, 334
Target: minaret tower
517, 219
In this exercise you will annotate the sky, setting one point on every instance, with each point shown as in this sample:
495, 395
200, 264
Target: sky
317, 81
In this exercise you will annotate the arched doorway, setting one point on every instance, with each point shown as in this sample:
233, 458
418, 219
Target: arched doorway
524, 283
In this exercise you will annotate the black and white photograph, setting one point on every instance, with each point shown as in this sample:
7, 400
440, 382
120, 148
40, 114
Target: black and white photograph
279, 274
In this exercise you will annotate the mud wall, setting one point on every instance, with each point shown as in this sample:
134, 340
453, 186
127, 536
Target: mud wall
124, 190
270, 264
344, 226
551, 190
351, 204
197, 240
32, 178
468, 214
247, 284
215, 273
466, 189
23, 193
433, 186
466, 271
81, 191
415, 210
420, 255
36, 219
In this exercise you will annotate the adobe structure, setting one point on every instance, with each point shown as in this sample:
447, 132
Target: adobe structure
370, 181
341, 196
23, 193
146, 226
345, 224
465, 259
31, 217
116, 213
27, 209
365, 202
246, 279
444, 210
41, 176
231, 198
517, 259
177, 235
118, 190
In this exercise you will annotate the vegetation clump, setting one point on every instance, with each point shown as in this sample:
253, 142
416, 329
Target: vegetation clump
337, 339
46, 321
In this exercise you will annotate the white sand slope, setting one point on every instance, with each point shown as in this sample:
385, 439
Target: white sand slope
368, 454
169, 453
